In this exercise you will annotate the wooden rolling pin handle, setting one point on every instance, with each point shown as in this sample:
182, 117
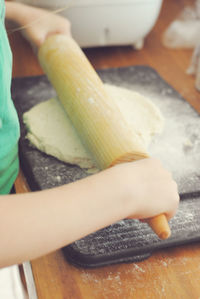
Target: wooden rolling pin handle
159, 224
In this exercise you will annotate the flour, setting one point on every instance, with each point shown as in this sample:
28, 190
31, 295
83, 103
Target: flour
178, 147
91, 100
182, 123
138, 268
132, 278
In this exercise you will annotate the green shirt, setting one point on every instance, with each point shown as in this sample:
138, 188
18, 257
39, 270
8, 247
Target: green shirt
9, 126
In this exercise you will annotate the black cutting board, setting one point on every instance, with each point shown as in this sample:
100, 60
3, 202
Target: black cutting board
178, 148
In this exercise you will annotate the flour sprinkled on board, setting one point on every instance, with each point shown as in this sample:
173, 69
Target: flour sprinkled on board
178, 147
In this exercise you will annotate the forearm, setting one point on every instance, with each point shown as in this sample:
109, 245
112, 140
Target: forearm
16, 12
34, 224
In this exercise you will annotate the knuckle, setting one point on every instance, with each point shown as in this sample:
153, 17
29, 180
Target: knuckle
176, 201
176, 188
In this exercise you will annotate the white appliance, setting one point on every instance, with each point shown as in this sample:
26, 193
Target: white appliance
106, 22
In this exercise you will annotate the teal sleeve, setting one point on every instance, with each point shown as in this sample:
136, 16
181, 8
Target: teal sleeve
9, 125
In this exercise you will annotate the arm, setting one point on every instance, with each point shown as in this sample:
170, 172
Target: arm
36, 24
37, 223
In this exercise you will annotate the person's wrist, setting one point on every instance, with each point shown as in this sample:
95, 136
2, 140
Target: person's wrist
123, 191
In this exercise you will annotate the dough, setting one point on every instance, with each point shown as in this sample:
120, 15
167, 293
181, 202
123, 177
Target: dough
50, 130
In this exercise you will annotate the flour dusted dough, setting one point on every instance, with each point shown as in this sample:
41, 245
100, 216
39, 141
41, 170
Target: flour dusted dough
50, 130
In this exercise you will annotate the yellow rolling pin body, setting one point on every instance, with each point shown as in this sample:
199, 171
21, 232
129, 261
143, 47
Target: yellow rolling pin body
100, 126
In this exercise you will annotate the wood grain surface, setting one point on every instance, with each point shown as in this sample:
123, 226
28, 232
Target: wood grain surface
172, 273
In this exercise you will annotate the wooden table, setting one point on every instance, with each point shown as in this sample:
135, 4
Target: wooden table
172, 273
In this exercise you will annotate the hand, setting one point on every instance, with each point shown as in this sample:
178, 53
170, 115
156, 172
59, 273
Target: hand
148, 189
37, 24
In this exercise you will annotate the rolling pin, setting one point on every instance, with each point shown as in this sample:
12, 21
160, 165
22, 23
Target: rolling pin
100, 125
